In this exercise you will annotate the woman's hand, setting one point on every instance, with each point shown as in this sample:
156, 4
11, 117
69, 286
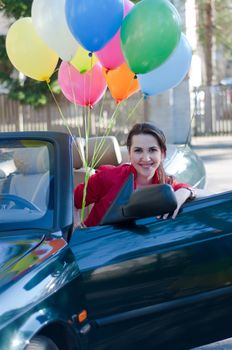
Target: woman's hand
77, 219
80, 225
181, 196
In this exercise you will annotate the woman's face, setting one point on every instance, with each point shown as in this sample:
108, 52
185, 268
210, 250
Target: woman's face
145, 155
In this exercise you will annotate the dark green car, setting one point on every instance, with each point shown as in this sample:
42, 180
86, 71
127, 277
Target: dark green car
133, 282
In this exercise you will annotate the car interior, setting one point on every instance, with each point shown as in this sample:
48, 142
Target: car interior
27, 174
29, 178
32, 178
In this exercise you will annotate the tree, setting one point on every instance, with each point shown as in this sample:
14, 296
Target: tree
223, 26
16, 9
214, 30
29, 91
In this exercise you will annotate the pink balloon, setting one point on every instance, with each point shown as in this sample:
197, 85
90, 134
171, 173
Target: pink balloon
83, 89
111, 55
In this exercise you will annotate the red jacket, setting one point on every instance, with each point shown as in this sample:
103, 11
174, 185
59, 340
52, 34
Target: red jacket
103, 187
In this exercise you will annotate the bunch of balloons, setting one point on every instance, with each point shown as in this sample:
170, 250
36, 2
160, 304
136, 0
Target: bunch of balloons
102, 43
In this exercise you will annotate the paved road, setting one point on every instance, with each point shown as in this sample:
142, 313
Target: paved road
216, 153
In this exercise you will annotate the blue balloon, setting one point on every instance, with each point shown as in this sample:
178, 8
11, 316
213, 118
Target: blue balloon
170, 73
94, 22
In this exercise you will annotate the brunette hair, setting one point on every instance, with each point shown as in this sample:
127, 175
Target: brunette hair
150, 129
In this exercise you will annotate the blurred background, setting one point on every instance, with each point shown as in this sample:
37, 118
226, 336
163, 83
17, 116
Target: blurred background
201, 105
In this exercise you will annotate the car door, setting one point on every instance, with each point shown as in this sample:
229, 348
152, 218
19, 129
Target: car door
164, 283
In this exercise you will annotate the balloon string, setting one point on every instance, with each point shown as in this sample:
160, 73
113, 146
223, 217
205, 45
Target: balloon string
88, 117
113, 119
64, 120
87, 176
101, 110
87, 132
132, 112
84, 109
86, 165
75, 101
90, 107
100, 118
70, 83
91, 78
134, 109
86, 122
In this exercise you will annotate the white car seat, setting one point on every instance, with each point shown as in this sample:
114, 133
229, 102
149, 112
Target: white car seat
31, 181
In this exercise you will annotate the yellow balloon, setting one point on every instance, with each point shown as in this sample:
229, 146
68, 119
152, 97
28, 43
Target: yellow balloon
83, 61
27, 51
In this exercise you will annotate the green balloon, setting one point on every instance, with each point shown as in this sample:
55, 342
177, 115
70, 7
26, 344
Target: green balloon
149, 34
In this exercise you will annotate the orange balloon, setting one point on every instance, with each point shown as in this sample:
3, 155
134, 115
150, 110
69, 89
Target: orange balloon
121, 82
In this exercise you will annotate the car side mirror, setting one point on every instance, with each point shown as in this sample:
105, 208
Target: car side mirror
154, 200
145, 202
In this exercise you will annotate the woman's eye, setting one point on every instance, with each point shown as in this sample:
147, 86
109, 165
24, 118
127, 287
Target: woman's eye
152, 150
138, 150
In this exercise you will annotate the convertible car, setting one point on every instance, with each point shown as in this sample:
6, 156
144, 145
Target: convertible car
134, 281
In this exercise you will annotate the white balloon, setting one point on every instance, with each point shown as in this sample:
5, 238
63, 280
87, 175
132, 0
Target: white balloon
48, 18
170, 73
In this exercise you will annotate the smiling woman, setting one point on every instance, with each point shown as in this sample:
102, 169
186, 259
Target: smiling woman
147, 149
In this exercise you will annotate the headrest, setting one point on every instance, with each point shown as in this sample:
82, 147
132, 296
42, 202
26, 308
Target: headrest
32, 160
109, 150
125, 154
78, 152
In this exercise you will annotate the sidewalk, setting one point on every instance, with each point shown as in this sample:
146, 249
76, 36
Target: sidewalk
216, 153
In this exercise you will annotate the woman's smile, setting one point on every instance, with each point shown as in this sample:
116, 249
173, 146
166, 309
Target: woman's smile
145, 156
146, 165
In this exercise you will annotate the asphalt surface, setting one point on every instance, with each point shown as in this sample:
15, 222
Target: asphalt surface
216, 153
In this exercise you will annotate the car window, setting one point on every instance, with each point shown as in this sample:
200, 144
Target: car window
25, 180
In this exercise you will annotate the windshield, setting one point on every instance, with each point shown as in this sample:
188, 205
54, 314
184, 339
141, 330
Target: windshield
25, 183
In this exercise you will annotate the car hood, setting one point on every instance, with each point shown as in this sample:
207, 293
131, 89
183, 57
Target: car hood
33, 267
15, 246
